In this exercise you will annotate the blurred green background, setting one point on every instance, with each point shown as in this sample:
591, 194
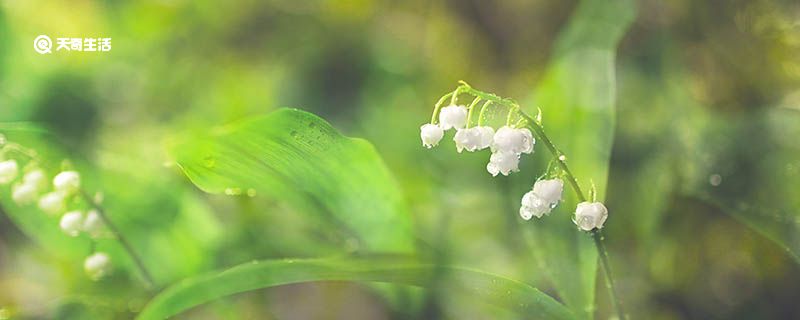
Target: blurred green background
698, 162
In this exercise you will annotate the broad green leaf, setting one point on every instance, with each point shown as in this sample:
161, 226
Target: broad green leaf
297, 157
577, 97
524, 300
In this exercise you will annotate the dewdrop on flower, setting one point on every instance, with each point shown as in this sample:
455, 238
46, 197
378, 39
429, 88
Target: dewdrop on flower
542, 199
453, 117
508, 139
52, 203
8, 171
431, 134
590, 215
72, 223
97, 265
93, 224
503, 162
68, 182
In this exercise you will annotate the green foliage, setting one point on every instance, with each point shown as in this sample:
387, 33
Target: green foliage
296, 157
525, 301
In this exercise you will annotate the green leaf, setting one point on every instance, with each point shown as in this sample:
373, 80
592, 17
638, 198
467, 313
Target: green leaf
297, 157
577, 97
524, 300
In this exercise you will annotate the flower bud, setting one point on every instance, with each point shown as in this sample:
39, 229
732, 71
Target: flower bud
68, 182
72, 223
590, 215
431, 134
8, 171
453, 117
93, 224
52, 203
97, 265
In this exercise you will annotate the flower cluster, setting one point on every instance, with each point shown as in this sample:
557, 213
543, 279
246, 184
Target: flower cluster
508, 143
55, 197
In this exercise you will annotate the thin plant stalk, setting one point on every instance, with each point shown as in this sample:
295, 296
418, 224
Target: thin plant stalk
148, 279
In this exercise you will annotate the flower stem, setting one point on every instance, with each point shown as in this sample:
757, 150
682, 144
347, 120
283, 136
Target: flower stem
122, 240
560, 158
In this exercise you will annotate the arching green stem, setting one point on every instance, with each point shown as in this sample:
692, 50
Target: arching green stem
438, 106
472, 107
483, 108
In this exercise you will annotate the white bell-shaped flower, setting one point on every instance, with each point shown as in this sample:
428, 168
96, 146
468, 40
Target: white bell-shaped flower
68, 182
508, 139
590, 215
52, 203
97, 265
503, 162
36, 179
486, 135
24, 193
453, 117
93, 224
468, 139
473, 139
549, 190
8, 171
72, 223
542, 199
431, 134
533, 206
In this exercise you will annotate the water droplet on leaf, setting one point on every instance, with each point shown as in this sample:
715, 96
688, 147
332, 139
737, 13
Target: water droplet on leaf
209, 161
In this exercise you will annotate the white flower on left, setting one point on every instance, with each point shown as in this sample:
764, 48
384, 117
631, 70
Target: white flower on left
52, 203
431, 134
8, 171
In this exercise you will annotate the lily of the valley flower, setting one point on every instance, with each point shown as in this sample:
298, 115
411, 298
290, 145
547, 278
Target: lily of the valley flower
508, 139
93, 224
542, 199
503, 162
97, 265
431, 134
8, 171
52, 203
67, 182
590, 215
72, 223
473, 139
453, 117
